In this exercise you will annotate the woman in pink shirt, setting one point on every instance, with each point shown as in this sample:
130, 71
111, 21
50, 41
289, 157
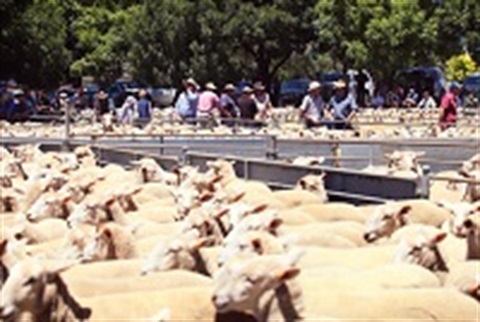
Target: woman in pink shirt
208, 105
448, 107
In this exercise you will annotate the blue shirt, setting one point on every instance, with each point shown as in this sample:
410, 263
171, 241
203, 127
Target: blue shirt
342, 107
144, 109
186, 105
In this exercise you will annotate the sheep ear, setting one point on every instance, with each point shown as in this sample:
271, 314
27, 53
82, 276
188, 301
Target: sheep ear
287, 274
438, 238
109, 201
257, 245
387, 155
323, 174
275, 223
107, 233
258, 209
222, 213
135, 162
404, 210
3, 247
237, 197
302, 183
420, 154
206, 197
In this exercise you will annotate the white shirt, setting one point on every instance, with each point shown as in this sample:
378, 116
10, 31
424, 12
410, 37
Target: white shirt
427, 103
312, 107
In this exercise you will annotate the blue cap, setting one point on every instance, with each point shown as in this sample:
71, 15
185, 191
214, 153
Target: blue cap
455, 85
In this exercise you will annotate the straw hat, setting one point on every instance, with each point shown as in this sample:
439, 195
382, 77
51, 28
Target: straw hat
211, 86
313, 86
229, 88
258, 86
192, 82
247, 90
340, 84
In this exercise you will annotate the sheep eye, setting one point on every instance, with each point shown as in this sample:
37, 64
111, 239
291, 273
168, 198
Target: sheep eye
468, 223
387, 217
30, 281
18, 236
250, 280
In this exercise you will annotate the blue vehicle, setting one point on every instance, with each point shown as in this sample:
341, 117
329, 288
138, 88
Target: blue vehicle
292, 91
422, 79
119, 91
472, 84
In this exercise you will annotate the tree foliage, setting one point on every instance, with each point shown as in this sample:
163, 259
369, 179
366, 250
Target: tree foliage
460, 66
159, 42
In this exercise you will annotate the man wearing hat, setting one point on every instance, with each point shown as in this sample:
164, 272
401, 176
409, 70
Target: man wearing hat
227, 102
448, 107
187, 102
342, 106
208, 102
262, 101
312, 109
246, 104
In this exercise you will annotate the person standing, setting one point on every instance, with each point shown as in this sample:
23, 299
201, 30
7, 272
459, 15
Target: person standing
144, 106
208, 105
246, 104
312, 109
187, 102
126, 112
101, 103
262, 101
342, 106
448, 107
427, 101
227, 102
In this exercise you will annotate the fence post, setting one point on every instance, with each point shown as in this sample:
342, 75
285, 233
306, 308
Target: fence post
337, 154
272, 152
162, 142
423, 184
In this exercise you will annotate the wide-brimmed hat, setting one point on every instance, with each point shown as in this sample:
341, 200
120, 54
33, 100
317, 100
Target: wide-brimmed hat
247, 90
313, 86
102, 95
340, 84
191, 81
258, 86
211, 86
229, 88
18, 92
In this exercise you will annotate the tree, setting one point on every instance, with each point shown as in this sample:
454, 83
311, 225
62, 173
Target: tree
33, 44
460, 66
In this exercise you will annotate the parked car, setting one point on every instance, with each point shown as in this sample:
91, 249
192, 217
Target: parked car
472, 83
119, 91
292, 91
421, 79
162, 97
327, 80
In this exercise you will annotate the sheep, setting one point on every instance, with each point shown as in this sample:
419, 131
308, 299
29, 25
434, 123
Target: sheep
387, 218
308, 161
111, 241
472, 191
460, 211
471, 231
35, 233
314, 184
465, 278
50, 205
179, 252
401, 164
150, 171
250, 286
34, 287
